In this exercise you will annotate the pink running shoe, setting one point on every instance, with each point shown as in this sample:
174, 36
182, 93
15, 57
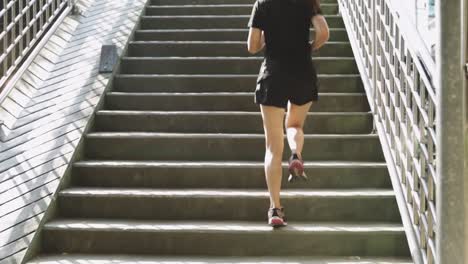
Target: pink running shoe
276, 217
296, 168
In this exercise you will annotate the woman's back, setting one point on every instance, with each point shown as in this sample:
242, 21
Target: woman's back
286, 26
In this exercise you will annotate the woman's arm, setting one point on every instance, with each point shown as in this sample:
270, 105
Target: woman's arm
256, 40
322, 32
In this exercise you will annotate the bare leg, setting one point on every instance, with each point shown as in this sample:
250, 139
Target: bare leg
294, 123
274, 145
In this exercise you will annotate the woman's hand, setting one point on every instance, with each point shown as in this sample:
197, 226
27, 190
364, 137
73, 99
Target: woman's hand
322, 32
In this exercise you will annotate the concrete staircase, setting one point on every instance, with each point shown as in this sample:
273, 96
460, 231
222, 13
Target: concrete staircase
173, 173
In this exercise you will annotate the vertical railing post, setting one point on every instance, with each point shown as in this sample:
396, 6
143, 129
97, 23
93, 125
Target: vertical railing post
465, 87
5, 38
374, 66
451, 239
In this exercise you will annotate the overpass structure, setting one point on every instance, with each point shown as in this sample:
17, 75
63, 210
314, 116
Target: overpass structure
160, 160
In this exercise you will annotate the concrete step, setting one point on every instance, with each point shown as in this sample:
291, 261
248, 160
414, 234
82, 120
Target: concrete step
213, 21
358, 205
218, 49
225, 175
336, 34
121, 259
216, 9
224, 65
220, 147
224, 122
223, 238
216, 2
346, 83
331, 102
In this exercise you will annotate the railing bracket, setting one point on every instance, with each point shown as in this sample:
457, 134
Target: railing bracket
466, 70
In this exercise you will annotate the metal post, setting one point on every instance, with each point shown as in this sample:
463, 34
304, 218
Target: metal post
451, 239
374, 68
465, 119
5, 39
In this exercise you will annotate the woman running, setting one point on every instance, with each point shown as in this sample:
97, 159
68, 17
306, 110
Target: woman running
287, 81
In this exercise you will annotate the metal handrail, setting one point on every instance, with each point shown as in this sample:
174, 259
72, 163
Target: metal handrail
23, 24
403, 99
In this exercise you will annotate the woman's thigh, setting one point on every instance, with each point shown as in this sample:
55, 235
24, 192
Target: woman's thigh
273, 125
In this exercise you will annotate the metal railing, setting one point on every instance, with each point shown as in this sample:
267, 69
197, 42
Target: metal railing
23, 23
404, 90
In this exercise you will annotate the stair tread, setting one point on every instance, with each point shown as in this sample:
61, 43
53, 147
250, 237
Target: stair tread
153, 75
220, 135
210, 30
217, 2
243, 146
208, 42
196, 113
219, 193
226, 226
307, 164
218, 5
255, 58
213, 135
144, 94
116, 259
217, 16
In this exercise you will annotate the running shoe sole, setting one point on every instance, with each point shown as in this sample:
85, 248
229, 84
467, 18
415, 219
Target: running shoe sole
296, 170
277, 222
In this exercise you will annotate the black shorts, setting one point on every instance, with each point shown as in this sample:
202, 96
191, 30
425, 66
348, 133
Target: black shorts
277, 85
